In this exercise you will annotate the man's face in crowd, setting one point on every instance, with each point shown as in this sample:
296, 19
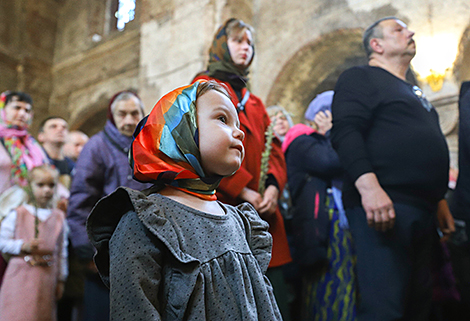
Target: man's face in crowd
74, 144
127, 114
397, 38
55, 131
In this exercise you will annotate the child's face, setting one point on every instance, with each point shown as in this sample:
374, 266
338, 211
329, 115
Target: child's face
43, 186
220, 138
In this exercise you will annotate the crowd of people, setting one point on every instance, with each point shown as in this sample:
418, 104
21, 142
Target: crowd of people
214, 207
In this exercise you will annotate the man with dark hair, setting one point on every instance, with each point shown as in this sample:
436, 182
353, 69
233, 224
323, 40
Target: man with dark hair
18, 96
460, 206
389, 141
52, 134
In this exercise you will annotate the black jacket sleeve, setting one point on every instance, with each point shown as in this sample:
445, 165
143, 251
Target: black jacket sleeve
353, 109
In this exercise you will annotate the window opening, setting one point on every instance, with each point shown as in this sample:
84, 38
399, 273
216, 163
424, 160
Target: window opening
125, 13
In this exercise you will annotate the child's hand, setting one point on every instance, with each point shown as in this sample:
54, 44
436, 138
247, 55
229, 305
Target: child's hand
31, 246
59, 291
269, 204
252, 197
62, 205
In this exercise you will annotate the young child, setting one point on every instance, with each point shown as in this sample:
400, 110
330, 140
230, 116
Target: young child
37, 269
173, 252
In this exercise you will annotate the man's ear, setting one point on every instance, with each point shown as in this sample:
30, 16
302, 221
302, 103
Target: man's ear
376, 45
41, 137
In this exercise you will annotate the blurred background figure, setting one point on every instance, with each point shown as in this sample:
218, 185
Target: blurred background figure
19, 152
52, 134
460, 207
322, 248
74, 144
34, 236
281, 119
102, 167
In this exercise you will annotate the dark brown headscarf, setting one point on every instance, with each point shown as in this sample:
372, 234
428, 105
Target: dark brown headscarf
219, 56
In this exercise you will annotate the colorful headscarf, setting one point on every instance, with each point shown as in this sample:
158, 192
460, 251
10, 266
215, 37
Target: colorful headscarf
219, 55
24, 151
165, 149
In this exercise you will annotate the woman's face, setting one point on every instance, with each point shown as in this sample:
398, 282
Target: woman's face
240, 46
281, 124
18, 113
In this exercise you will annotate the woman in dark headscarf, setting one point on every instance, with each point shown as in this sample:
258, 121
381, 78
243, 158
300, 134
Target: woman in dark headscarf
230, 56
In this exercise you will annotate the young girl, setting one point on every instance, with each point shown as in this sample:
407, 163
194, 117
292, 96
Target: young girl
173, 252
230, 57
37, 269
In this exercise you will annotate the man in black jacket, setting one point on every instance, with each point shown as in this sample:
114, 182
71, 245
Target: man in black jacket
389, 141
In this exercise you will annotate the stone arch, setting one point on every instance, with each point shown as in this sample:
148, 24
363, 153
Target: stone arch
92, 118
315, 68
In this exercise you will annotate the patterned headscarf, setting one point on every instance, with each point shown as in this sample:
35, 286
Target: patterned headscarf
219, 55
24, 151
165, 149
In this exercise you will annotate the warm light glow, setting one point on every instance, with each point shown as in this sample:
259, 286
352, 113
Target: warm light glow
435, 55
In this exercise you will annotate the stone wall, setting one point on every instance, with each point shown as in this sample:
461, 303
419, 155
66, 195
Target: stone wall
301, 46
69, 56
92, 61
27, 37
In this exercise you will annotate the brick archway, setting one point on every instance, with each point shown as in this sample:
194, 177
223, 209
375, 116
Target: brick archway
315, 68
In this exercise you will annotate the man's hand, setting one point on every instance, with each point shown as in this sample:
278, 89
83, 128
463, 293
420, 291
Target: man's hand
269, 204
445, 219
376, 203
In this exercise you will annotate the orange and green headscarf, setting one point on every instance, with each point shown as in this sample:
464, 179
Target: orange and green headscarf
165, 150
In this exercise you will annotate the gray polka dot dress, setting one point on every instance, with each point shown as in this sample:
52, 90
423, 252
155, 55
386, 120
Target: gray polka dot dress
166, 261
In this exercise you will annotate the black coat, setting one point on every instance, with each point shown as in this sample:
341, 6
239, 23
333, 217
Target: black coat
460, 204
311, 165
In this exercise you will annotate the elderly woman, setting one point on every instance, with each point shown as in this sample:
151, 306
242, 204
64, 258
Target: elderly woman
230, 56
281, 119
322, 241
